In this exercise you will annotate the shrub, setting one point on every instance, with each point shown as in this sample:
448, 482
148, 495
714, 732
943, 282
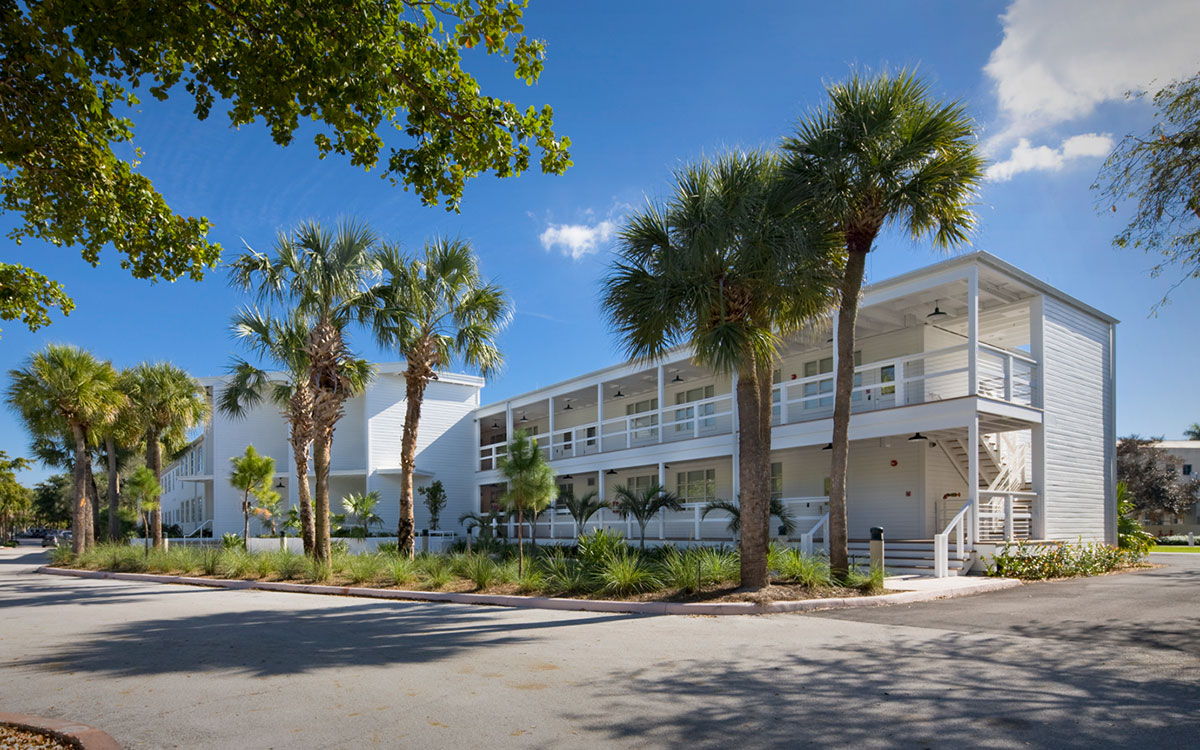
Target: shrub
61, 556
235, 563
363, 568
231, 541
317, 571
564, 575
625, 573
600, 546
680, 570
288, 564
479, 570
434, 571
868, 582
1176, 540
531, 580
1057, 560
210, 561
264, 564
507, 571
793, 566
720, 565
402, 570
339, 547
388, 548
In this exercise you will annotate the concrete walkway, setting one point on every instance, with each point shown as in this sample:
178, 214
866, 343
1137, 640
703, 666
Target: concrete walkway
161, 666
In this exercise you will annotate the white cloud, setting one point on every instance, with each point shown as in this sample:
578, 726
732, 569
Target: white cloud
1059, 59
577, 240
1025, 157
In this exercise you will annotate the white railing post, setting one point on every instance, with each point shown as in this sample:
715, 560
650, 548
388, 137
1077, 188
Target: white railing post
783, 402
696, 522
511, 528
1008, 517
1008, 377
661, 406
899, 380
941, 562
973, 331
806, 543
553, 513
662, 524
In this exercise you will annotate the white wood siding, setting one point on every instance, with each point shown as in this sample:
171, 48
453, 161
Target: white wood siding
1079, 422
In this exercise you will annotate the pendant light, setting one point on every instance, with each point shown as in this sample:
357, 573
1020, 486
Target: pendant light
937, 315
917, 437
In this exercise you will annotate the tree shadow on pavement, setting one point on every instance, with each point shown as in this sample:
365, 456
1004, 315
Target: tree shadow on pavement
283, 641
908, 691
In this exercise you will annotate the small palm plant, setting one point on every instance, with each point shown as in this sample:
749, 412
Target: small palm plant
143, 488
582, 508
362, 506
644, 505
530, 483
251, 474
435, 500
778, 510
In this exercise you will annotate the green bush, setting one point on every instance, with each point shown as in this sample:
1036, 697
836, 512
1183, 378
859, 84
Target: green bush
790, 565
388, 548
61, 556
1175, 540
1057, 560
317, 571
479, 570
232, 541
235, 563
600, 546
868, 582
625, 573
563, 574
402, 570
363, 568
289, 565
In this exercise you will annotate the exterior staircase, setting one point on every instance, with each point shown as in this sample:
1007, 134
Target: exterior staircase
910, 557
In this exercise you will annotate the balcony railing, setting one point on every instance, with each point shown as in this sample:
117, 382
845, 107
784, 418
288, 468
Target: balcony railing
919, 378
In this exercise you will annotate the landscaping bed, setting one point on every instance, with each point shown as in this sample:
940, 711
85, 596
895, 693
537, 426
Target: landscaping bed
1036, 561
601, 567
17, 738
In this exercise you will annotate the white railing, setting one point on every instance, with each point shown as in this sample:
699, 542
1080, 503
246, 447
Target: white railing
196, 531
1005, 515
960, 526
1007, 375
806, 539
923, 377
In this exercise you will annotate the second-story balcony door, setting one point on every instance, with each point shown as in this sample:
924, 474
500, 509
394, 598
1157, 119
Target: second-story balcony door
643, 429
684, 425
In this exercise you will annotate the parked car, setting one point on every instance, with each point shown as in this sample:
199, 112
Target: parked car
55, 538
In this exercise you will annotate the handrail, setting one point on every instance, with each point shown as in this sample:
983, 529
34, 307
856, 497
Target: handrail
1009, 352
806, 539
941, 548
198, 529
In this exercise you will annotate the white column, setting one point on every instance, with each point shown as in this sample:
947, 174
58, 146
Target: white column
662, 390
508, 422
550, 429
599, 417
1037, 348
735, 460
662, 514
478, 444
1037, 451
973, 474
973, 332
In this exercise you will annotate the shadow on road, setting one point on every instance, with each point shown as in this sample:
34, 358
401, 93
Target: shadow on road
958, 690
267, 642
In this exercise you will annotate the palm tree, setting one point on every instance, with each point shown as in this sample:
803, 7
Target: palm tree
144, 489
267, 510
725, 268
1192, 431
431, 310
778, 510
320, 275
64, 389
644, 505
282, 340
362, 506
164, 403
582, 508
881, 153
530, 484
252, 475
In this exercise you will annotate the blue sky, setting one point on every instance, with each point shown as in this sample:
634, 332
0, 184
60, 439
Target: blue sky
641, 88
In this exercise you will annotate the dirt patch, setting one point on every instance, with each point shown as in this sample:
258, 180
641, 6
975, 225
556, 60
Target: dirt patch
22, 739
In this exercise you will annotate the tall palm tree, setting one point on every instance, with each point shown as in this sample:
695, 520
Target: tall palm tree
281, 340
645, 505
726, 268
431, 310
63, 388
882, 152
164, 403
1192, 431
530, 484
321, 275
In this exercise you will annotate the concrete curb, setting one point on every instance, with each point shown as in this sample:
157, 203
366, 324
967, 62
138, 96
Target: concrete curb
540, 602
88, 738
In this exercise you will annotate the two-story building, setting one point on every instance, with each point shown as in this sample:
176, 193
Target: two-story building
983, 410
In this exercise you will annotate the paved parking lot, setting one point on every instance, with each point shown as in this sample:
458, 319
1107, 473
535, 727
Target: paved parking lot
1111, 661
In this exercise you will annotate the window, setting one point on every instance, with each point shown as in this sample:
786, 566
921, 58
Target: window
777, 395
684, 416
776, 481
638, 485
642, 428
698, 486
812, 369
1187, 470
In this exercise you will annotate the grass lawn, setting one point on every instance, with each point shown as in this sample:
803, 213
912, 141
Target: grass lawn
1174, 548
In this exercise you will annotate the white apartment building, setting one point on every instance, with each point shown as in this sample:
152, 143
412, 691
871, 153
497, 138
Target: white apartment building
983, 410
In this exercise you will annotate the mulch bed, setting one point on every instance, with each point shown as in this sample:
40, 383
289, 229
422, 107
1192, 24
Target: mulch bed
12, 738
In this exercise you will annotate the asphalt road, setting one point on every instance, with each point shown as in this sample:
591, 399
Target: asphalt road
1108, 662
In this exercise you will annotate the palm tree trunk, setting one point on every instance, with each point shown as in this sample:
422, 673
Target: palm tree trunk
414, 391
300, 455
154, 461
79, 513
93, 495
321, 447
520, 542
246, 521
765, 387
114, 490
839, 551
753, 500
